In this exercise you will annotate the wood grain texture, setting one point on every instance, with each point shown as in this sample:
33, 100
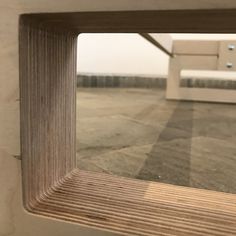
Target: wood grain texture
134, 207
47, 91
52, 186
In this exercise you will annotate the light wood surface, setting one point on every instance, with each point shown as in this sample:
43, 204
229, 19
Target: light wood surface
52, 186
199, 55
135, 207
165, 40
48, 90
162, 41
196, 47
227, 56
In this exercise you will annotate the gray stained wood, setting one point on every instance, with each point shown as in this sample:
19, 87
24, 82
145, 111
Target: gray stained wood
52, 186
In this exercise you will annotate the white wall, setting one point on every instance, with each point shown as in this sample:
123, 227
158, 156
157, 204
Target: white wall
127, 53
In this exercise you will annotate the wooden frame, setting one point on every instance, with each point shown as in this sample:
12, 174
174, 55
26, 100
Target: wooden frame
52, 184
199, 55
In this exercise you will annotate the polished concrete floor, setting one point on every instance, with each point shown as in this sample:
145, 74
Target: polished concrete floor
136, 133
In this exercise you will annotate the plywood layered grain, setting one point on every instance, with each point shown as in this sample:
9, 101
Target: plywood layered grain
48, 72
52, 186
134, 207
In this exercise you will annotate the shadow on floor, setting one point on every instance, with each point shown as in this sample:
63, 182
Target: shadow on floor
170, 158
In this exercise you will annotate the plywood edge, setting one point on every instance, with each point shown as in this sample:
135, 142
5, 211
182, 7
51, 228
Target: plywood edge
136, 207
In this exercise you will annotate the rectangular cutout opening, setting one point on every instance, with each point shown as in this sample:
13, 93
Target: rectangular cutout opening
127, 127
52, 184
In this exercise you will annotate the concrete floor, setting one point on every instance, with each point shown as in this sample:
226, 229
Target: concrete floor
137, 133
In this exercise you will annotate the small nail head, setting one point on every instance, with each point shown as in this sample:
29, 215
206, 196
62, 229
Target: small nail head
229, 65
231, 47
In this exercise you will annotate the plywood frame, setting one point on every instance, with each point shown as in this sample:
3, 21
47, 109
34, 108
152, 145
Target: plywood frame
196, 55
53, 186
161, 41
